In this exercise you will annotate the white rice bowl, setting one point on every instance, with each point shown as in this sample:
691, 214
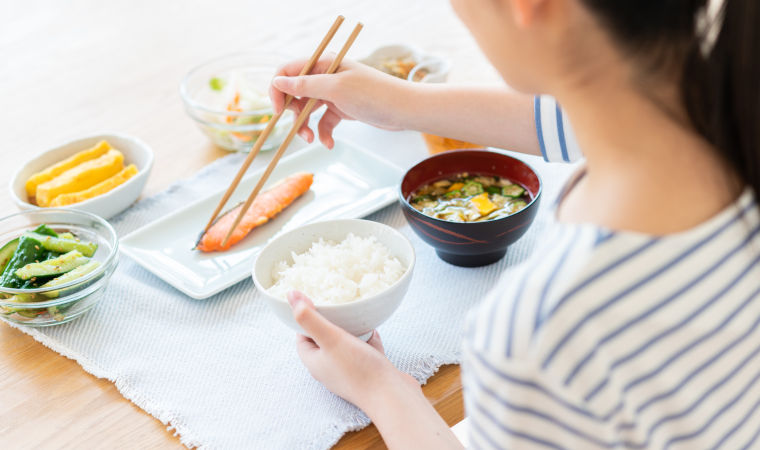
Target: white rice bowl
332, 272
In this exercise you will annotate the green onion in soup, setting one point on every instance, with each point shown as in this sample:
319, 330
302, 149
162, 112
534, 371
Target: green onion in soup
470, 198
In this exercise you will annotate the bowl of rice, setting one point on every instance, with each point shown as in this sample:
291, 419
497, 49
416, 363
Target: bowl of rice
355, 271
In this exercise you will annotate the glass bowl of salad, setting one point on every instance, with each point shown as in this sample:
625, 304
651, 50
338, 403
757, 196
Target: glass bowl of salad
228, 98
54, 264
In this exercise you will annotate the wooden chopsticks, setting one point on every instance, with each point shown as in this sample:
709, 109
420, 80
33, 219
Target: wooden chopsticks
296, 126
271, 124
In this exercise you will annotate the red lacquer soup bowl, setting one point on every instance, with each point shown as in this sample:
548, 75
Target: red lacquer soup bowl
471, 244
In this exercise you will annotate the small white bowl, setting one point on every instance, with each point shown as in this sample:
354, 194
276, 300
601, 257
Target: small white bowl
106, 205
437, 66
359, 317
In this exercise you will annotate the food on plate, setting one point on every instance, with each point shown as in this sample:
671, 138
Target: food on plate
42, 258
98, 189
267, 205
338, 272
85, 175
470, 198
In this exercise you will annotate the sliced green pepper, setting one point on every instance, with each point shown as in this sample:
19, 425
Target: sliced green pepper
472, 188
513, 190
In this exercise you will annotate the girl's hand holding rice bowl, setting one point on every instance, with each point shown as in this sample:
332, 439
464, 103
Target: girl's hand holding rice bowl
356, 272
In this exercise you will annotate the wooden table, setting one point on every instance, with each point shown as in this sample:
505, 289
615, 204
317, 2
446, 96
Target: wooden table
72, 68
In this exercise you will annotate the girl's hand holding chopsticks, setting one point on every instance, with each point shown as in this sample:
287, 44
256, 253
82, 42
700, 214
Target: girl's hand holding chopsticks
489, 115
355, 92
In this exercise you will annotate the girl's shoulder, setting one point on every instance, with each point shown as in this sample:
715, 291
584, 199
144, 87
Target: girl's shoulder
511, 316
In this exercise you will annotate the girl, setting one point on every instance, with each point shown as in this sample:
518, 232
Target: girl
636, 325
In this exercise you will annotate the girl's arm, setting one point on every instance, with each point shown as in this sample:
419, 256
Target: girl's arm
360, 373
492, 116
406, 419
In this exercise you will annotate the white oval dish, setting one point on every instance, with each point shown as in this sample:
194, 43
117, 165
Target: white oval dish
437, 66
359, 317
106, 205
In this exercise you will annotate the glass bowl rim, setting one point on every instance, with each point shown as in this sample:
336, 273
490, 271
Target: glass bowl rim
109, 261
284, 119
80, 295
191, 103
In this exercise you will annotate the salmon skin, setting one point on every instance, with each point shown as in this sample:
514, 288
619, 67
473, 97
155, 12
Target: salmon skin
266, 205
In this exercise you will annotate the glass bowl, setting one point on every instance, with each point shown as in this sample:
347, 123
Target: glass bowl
42, 307
228, 98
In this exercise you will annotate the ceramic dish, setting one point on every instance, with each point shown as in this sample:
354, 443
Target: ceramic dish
105, 205
76, 297
358, 317
470, 244
437, 67
349, 182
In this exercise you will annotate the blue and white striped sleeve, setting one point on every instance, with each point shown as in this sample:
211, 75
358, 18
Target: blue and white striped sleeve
555, 136
512, 404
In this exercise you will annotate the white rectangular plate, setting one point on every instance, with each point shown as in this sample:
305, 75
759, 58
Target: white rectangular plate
349, 182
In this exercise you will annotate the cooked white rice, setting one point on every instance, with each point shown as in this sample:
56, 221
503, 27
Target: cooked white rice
338, 272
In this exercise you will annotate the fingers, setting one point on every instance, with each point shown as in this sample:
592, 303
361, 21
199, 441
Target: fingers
290, 69
311, 86
321, 330
293, 68
307, 350
297, 105
375, 342
316, 84
277, 98
306, 134
326, 126
305, 345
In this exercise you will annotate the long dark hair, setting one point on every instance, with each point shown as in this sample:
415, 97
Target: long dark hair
719, 58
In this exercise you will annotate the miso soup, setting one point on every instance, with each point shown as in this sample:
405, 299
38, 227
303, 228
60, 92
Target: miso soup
470, 198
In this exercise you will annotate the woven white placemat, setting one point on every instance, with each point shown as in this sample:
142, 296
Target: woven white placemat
223, 372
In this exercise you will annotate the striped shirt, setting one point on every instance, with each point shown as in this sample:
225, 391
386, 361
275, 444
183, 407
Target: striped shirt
611, 339
555, 136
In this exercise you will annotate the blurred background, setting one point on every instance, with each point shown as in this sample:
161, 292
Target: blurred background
75, 67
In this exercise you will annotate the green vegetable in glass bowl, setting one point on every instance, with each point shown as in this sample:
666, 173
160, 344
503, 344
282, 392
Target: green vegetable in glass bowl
54, 272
